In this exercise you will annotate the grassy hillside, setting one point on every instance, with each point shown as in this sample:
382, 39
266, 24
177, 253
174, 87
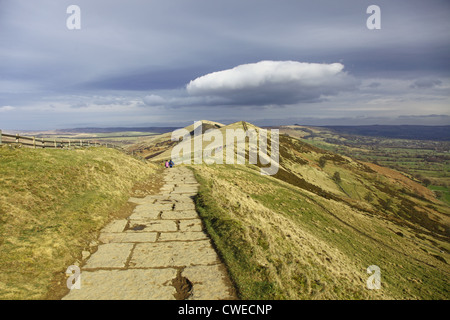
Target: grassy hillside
425, 161
52, 202
304, 234
158, 148
282, 242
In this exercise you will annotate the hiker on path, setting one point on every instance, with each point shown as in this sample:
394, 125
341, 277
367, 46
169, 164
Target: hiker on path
171, 163
167, 163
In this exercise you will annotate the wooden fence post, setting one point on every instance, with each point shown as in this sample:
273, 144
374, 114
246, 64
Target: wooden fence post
17, 138
43, 143
34, 142
0, 137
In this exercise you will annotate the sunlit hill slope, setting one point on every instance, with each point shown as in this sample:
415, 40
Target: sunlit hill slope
311, 230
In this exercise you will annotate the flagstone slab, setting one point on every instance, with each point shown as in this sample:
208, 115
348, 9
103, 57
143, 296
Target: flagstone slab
152, 226
173, 254
191, 225
135, 284
209, 282
128, 237
185, 190
155, 197
183, 236
110, 255
145, 215
144, 208
184, 206
177, 215
163, 206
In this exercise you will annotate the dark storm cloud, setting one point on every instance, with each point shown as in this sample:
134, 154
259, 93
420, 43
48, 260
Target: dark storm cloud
425, 83
142, 81
374, 85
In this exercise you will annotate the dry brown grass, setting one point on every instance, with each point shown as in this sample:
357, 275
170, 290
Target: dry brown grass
52, 203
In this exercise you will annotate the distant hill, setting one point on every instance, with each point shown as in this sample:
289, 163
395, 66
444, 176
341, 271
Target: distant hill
437, 133
118, 129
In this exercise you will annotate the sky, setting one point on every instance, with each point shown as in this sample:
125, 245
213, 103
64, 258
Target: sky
172, 62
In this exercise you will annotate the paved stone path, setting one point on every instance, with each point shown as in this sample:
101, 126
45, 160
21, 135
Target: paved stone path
159, 252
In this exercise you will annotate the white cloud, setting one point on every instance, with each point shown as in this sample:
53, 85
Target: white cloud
6, 108
274, 82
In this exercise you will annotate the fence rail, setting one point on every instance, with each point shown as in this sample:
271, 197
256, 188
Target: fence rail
35, 142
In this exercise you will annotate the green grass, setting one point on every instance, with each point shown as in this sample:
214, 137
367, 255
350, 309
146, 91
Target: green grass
52, 203
394, 153
443, 192
280, 242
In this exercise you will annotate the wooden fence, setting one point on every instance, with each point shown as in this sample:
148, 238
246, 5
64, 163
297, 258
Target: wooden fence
34, 142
